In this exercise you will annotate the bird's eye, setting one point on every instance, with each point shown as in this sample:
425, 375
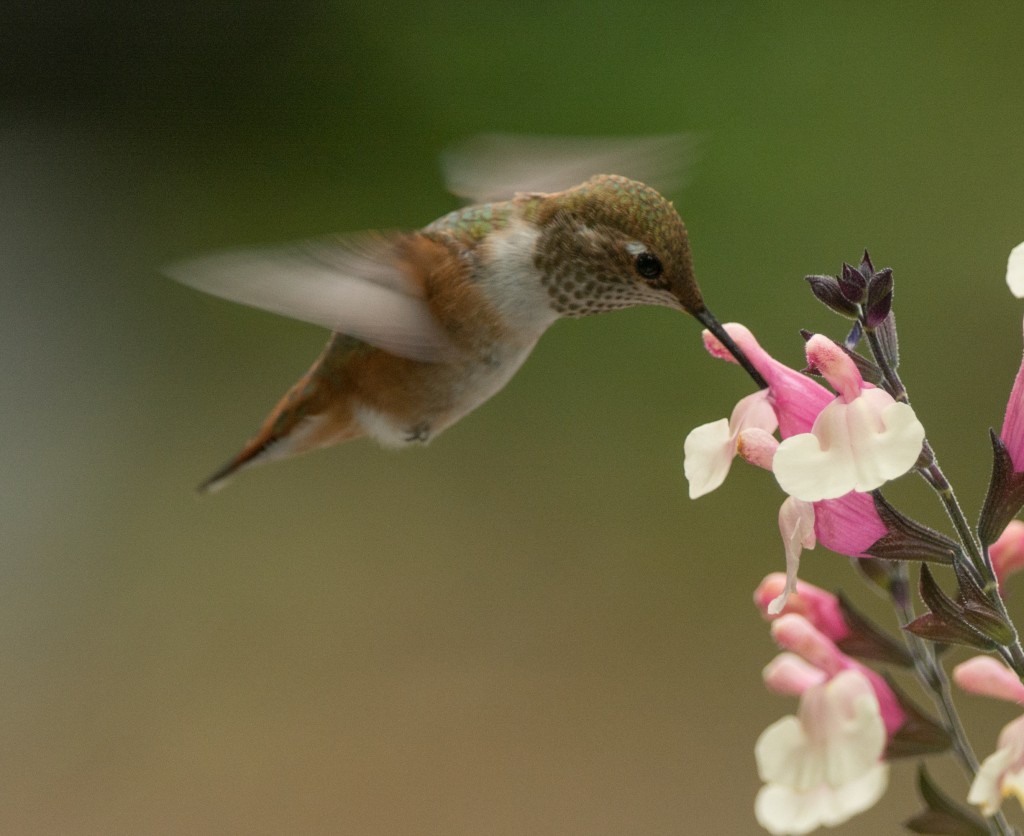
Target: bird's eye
648, 265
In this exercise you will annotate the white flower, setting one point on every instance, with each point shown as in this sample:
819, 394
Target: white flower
709, 449
1015, 271
1001, 773
824, 765
859, 441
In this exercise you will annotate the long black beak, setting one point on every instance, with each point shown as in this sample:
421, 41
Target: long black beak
708, 320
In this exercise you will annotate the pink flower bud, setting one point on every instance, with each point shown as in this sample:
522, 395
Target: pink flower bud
1007, 552
1012, 433
790, 675
795, 633
835, 366
988, 677
819, 607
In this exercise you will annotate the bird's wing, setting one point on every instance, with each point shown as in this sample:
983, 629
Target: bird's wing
492, 167
356, 285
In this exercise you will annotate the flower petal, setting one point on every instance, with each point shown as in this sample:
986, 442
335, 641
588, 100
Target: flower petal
1008, 551
852, 446
848, 525
835, 366
1012, 433
788, 674
709, 449
1001, 773
796, 398
1015, 271
796, 525
707, 456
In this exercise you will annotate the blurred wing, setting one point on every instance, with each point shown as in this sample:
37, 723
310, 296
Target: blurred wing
353, 285
492, 167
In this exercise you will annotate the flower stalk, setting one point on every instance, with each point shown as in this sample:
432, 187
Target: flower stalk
836, 448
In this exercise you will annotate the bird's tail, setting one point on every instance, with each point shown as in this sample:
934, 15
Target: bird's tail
307, 417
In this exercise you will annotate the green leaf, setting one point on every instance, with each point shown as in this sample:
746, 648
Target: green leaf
942, 816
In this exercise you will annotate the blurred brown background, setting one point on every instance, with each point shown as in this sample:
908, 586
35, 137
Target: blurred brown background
526, 627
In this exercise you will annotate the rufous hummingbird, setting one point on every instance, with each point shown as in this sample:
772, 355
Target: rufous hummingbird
430, 324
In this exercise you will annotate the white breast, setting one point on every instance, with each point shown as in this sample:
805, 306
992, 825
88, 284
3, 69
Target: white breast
512, 282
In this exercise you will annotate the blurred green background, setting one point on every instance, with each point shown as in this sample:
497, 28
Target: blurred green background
526, 627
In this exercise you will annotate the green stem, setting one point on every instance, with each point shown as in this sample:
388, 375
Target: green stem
935, 681
978, 564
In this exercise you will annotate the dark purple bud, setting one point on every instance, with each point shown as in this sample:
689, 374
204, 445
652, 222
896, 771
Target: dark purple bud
908, 540
852, 284
866, 268
919, 734
827, 291
1005, 495
941, 813
879, 300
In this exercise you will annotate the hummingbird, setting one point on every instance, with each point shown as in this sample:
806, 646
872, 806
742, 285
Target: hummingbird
428, 325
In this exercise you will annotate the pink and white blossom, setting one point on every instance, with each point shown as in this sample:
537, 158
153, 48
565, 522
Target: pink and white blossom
796, 634
1002, 773
796, 398
847, 524
823, 765
860, 440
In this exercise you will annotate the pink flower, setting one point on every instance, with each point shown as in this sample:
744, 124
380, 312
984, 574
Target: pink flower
797, 635
819, 607
1012, 433
1001, 773
826, 763
1007, 552
796, 398
858, 441
847, 524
